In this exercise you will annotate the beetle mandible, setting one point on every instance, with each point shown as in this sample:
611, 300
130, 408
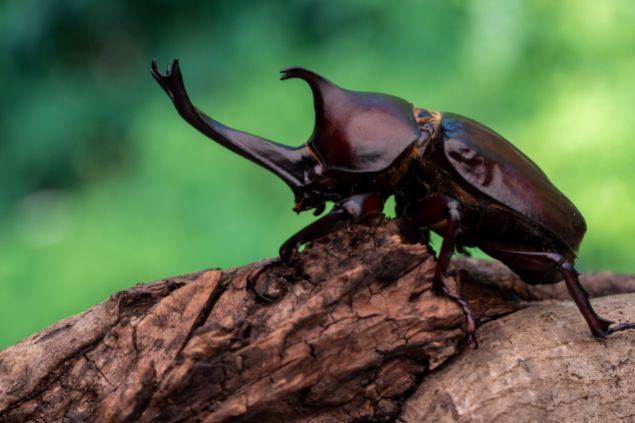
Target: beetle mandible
446, 172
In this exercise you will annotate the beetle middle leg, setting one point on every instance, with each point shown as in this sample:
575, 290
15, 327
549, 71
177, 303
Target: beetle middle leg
350, 209
443, 211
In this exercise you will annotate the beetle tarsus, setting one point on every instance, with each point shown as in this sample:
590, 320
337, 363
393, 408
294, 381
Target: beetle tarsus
441, 289
254, 275
620, 327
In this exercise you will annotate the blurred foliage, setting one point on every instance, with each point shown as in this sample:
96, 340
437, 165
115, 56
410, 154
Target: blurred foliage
103, 185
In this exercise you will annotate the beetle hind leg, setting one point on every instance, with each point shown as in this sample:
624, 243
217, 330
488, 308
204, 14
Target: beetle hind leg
548, 262
600, 327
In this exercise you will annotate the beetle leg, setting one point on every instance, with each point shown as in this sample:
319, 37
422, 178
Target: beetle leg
434, 210
600, 327
535, 261
352, 208
452, 229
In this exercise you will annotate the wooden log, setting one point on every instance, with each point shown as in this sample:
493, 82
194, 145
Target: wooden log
354, 332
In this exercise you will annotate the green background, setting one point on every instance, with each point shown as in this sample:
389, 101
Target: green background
102, 185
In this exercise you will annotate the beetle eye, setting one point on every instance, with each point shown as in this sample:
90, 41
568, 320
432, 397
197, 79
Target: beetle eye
424, 114
312, 173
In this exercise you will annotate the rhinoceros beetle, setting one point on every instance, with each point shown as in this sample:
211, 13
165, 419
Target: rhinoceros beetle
446, 172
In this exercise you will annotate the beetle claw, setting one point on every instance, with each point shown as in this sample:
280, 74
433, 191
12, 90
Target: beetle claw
621, 326
602, 327
603, 332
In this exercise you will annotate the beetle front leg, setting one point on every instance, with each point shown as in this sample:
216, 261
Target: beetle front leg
350, 209
445, 211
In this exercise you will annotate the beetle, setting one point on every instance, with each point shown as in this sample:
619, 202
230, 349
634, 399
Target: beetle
447, 173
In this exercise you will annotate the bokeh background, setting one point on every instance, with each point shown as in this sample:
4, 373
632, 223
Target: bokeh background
102, 185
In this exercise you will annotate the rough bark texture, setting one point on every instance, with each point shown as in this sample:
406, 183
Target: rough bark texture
355, 335
537, 364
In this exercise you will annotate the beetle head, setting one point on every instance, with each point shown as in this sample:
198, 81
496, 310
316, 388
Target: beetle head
354, 133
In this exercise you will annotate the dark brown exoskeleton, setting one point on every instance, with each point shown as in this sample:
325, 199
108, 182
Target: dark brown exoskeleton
446, 172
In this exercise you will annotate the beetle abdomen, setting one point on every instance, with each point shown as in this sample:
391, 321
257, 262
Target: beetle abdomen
492, 165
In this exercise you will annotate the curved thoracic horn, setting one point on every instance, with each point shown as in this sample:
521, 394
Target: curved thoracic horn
357, 131
288, 163
320, 86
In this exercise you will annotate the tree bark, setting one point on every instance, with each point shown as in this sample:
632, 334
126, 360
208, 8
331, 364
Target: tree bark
355, 334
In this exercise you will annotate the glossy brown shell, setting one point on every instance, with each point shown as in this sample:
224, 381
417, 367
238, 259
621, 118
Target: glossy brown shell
496, 168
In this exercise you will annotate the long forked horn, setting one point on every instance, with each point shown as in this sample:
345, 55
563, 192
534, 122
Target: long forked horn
284, 161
